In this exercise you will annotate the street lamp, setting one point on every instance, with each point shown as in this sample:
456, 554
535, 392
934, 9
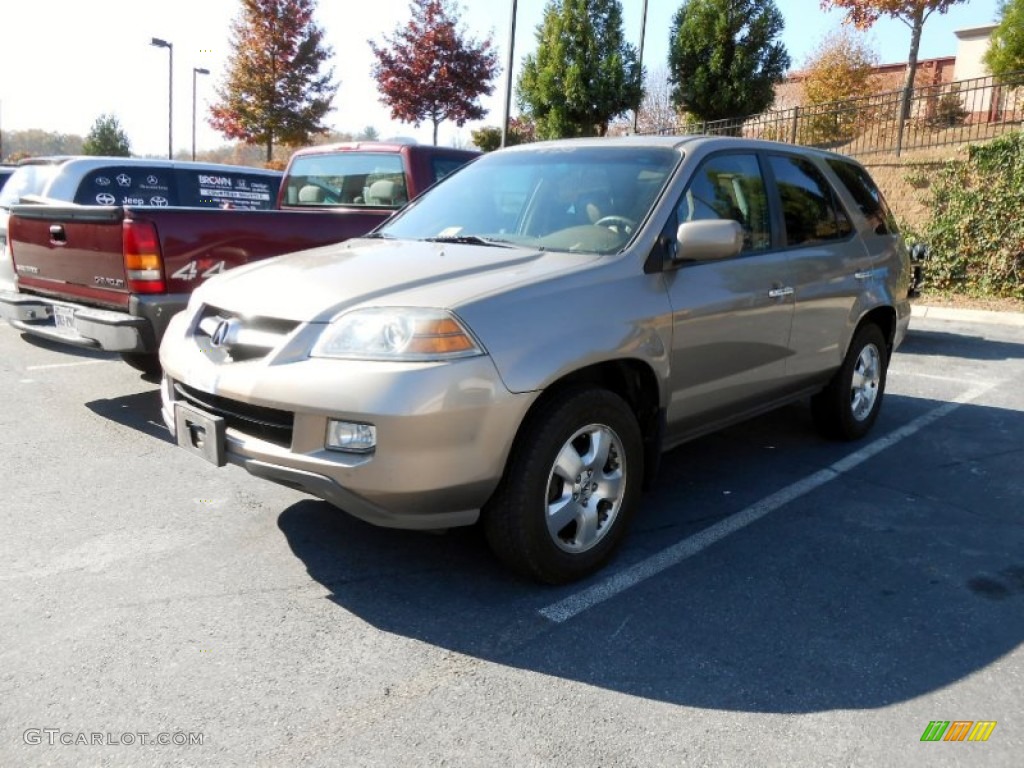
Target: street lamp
195, 71
508, 76
158, 43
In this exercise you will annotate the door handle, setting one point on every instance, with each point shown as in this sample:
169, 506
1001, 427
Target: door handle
864, 275
57, 234
778, 293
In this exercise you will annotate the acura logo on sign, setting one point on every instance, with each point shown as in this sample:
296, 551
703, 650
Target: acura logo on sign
224, 333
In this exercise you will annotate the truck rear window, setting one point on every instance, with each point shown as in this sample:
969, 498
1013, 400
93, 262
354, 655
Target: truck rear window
370, 179
178, 187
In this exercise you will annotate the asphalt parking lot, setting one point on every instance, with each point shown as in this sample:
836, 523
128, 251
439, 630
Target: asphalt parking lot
782, 600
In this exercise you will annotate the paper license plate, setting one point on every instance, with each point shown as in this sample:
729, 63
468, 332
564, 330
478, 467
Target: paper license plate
63, 317
200, 433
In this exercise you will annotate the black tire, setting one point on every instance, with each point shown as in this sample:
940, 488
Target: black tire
848, 407
597, 504
147, 362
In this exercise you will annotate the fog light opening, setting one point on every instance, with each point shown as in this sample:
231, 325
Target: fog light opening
351, 437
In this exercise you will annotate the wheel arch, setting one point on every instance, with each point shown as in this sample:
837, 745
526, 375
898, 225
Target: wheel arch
885, 318
631, 379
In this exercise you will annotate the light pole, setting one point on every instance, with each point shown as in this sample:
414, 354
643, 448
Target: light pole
508, 76
195, 71
158, 43
643, 33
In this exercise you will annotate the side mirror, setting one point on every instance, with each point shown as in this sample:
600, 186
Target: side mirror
708, 240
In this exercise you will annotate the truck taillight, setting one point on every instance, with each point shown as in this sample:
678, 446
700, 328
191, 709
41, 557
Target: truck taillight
143, 264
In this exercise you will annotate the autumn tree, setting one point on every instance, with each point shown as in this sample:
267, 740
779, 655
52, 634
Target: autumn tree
107, 138
725, 57
841, 68
276, 89
429, 70
914, 13
583, 73
1005, 54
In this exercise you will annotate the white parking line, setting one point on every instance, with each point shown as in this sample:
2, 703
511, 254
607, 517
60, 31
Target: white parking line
935, 377
571, 606
66, 365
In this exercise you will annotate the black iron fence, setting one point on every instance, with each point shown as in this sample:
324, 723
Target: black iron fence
938, 115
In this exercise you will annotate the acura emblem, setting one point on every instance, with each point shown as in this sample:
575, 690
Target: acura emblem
224, 333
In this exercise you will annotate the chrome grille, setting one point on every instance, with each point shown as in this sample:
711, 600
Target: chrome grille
228, 337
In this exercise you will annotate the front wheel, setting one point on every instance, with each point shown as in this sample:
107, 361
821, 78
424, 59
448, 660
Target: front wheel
570, 489
847, 408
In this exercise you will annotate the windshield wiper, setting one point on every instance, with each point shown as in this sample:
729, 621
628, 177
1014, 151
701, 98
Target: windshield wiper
469, 240
378, 235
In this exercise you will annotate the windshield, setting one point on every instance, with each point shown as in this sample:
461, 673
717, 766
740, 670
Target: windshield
586, 198
26, 180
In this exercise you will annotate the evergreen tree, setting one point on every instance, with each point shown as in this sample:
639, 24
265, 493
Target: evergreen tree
429, 70
107, 138
725, 57
583, 74
275, 91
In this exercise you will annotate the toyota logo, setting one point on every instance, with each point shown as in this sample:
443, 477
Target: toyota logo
224, 333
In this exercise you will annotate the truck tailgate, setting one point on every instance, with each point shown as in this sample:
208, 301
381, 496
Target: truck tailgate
71, 252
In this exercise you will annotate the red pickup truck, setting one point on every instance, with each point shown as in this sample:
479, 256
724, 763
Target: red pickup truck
111, 277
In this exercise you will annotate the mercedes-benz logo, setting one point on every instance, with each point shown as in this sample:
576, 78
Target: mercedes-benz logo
224, 333
152, 179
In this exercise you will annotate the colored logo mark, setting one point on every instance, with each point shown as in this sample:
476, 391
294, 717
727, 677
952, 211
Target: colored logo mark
958, 730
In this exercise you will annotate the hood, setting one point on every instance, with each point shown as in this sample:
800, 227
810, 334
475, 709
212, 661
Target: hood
316, 285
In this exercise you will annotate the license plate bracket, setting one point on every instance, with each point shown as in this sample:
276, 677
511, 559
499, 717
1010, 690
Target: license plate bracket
200, 433
63, 317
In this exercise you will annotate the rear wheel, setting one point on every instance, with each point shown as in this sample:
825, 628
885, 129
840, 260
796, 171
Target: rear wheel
847, 408
570, 489
147, 362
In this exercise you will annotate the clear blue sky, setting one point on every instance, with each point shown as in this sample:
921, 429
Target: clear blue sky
63, 62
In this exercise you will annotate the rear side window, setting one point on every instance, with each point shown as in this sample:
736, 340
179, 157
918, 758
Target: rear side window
26, 180
126, 185
156, 186
730, 187
811, 210
226, 189
866, 194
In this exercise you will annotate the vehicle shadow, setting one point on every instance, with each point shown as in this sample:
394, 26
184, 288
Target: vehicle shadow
140, 411
69, 349
919, 342
877, 587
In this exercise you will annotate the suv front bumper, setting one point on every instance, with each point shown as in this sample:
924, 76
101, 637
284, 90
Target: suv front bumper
444, 430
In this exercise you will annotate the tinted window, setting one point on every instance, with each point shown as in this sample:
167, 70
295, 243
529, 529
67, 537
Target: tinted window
226, 189
730, 187
809, 206
442, 166
867, 196
126, 185
141, 185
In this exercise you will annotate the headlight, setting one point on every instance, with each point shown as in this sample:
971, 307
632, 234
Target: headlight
396, 333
